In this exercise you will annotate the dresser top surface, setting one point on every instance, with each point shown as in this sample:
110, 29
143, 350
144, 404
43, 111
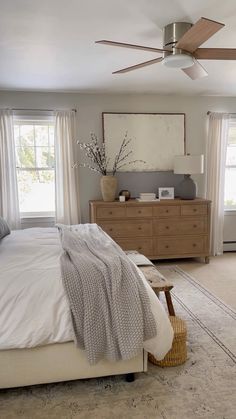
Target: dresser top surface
134, 201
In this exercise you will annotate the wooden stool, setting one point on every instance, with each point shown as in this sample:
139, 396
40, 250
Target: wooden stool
159, 283
178, 353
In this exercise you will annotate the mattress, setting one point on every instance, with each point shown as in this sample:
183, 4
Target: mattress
33, 306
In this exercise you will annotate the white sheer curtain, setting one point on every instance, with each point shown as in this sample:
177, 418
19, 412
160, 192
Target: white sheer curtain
9, 205
215, 176
67, 205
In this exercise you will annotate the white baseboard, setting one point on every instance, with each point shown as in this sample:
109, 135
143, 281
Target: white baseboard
229, 246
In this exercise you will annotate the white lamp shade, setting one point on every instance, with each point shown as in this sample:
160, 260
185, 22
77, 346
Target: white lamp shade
189, 164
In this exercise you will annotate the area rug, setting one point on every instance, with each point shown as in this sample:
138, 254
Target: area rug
204, 387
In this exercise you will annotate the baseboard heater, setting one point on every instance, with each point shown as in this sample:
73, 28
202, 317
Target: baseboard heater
229, 246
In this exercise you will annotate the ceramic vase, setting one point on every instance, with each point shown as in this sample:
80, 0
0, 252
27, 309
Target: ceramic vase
108, 187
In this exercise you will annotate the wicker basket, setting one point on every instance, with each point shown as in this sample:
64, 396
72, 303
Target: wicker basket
178, 353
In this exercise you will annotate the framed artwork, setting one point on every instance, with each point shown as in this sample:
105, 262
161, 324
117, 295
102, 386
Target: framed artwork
166, 193
155, 138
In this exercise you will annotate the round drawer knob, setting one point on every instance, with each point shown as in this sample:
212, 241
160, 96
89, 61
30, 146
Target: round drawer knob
167, 210
139, 228
110, 212
195, 209
110, 229
194, 245
140, 248
140, 212
167, 247
167, 227
195, 225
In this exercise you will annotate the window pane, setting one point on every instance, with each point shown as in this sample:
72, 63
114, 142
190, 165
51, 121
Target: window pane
230, 187
27, 135
232, 134
36, 190
231, 155
41, 135
45, 157
51, 135
25, 156
52, 156
17, 135
35, 150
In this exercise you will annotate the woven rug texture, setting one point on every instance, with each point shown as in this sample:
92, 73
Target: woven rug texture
204, 387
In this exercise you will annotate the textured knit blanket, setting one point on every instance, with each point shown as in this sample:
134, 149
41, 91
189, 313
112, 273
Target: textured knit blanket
109, 304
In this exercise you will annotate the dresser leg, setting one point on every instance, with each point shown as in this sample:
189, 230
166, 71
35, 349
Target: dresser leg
130, 377
169, 303
207, 259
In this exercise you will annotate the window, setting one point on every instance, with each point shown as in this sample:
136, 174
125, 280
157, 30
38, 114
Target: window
34, 145
230, 169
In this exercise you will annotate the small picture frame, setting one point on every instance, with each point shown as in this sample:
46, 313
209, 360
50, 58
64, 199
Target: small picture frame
166, 193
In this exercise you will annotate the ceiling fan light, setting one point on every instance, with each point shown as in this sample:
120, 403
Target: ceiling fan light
178, 61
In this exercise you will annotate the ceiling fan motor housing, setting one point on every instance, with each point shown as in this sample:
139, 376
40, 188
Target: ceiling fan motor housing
173, 32
176, 57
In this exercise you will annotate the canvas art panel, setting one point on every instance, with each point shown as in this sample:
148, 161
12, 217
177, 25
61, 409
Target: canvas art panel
155, 138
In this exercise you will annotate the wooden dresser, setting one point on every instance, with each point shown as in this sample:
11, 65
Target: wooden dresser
160, 230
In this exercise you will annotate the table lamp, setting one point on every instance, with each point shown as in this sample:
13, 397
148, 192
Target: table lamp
188, 165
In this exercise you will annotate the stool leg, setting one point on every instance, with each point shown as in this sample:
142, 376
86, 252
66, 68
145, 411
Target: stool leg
169, 303
157, 294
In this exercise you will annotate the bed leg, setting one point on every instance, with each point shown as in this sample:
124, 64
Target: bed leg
130, 377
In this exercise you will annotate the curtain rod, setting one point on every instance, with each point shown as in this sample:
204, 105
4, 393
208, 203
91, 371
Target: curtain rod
39, 110
230, 113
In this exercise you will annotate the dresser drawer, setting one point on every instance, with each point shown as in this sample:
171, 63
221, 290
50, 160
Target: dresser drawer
143, 246
180, 226
137, 212
193, 209
160, 230
127, 228
179, 246
166, 211
110, 212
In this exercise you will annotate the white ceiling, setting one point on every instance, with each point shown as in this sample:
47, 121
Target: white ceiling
49, 45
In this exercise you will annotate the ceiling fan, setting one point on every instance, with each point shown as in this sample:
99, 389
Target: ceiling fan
181, 42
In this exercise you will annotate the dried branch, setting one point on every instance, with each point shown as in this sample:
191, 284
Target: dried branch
97, 155
85, 165
131, 162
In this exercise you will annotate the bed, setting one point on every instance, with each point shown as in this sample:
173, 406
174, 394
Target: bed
36, 336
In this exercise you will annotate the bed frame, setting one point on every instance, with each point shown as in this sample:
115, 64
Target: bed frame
58, 362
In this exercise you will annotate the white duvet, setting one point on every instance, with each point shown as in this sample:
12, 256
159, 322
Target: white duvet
33, 307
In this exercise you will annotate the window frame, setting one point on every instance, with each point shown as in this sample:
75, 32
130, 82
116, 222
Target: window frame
35, 120
232, 208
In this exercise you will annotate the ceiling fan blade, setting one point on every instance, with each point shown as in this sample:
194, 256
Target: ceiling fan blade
196, 71
135, 67
215, 53
122, 44
198, 33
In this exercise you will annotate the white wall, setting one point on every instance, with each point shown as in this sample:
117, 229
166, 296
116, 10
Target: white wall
230, 231
90, 108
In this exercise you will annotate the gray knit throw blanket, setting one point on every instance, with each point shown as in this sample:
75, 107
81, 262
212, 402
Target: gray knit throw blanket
110, 307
